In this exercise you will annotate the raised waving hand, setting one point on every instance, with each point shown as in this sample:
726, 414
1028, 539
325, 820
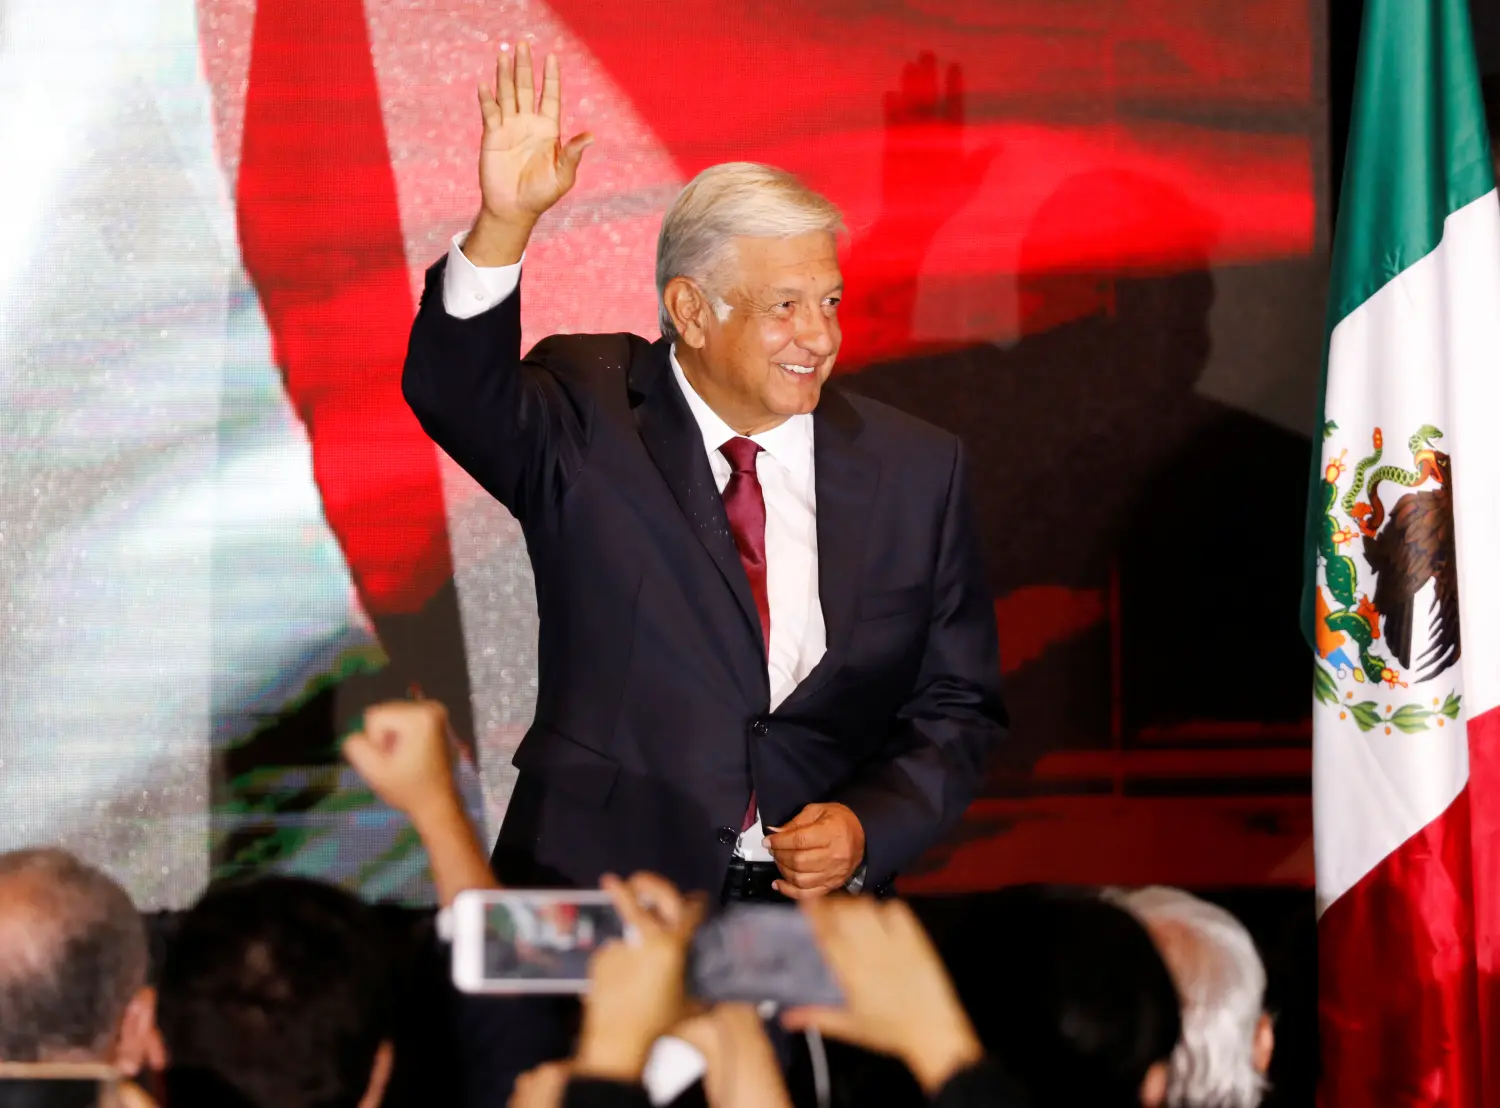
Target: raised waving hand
524, 166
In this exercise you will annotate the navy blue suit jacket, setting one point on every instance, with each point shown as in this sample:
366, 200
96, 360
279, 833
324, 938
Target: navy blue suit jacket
652, 715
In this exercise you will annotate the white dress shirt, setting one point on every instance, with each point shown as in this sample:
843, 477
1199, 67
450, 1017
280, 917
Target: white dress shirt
785, 469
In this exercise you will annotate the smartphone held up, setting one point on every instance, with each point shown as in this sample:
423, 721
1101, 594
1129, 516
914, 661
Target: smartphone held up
531, 941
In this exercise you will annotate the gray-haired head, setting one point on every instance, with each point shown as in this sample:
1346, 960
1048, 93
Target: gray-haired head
1220, 1061
725, 202
72, 957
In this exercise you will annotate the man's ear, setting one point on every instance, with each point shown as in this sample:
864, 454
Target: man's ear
1154, 1085
380, 1076
138, 1046
689, 310
1264, 1045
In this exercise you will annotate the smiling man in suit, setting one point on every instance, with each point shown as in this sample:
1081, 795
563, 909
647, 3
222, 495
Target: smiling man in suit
768, 660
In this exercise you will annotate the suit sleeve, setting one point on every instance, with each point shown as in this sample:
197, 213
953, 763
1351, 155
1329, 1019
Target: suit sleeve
953, 720
510, 422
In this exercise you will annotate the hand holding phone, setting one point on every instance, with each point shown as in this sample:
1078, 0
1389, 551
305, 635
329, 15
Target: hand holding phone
637, 987
899, 997
735, 1060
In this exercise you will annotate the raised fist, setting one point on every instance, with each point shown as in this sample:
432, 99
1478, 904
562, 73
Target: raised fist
404, 754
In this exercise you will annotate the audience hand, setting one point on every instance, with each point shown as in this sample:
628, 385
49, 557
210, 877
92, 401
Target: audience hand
742, 1068
819, 851
541, 1087
898, 997
404, 756
130, 1095
636, 987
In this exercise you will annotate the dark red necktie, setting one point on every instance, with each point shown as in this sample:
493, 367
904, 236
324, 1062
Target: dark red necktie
745, 505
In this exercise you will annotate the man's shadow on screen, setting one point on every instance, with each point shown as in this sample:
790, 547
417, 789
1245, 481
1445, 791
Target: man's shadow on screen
1090, 448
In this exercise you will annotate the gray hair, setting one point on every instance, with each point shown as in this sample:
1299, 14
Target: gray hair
72, 955
723, 203
1222, 986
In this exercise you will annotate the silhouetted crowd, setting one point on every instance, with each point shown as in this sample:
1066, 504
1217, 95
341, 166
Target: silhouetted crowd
285, 993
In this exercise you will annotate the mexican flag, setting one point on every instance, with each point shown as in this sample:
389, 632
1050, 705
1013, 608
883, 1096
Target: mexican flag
1402, 601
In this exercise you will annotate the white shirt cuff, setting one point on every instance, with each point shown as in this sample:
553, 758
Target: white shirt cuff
671, 1069
468, 289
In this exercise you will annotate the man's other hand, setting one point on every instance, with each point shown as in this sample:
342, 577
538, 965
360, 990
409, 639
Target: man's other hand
403, 755
819, 851
524, 166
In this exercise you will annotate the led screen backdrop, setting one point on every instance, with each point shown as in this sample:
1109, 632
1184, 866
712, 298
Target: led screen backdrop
1086, 235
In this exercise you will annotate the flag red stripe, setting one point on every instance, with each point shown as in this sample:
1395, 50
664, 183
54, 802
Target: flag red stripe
320, 233
1484, 785
1397, 989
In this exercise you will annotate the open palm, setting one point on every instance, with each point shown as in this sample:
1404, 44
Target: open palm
524, 167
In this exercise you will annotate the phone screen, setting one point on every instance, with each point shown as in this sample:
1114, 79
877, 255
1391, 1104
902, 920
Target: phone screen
545, 937
761, 952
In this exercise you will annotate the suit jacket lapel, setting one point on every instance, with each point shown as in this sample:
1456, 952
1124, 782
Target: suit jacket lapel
672, 438
846, 477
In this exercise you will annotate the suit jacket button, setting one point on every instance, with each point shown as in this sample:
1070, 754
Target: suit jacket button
727, 835
760, 727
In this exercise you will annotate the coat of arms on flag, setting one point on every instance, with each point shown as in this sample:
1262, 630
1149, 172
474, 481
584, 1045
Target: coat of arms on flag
1387, 595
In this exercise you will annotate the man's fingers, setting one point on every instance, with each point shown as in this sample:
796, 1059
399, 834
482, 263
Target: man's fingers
552, 90
525, 83
806, 861
801, 838
811, 875
805, 845
489, 110
572, 154
808, 829
505, 83
809, 815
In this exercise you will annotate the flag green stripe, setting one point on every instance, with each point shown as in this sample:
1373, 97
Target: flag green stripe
1418, 150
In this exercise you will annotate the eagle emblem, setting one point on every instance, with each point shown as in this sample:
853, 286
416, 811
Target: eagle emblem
1387, 598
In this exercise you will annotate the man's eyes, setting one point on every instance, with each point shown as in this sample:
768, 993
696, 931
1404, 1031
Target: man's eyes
791, 305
